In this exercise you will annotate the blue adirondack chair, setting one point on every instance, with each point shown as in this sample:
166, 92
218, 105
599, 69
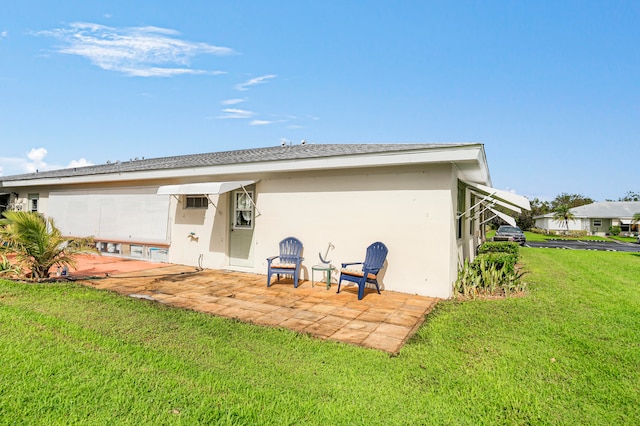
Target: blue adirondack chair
373, 262
288, 262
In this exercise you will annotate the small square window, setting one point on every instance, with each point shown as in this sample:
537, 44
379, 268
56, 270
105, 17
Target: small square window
196, 202
597, 222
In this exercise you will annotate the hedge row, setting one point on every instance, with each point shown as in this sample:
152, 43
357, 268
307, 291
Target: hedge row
502, 254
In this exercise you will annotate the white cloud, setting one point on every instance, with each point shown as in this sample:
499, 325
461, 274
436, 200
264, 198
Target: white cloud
34, 161
254, 81
3, 34
79, 163
135, 51
233, 101
236, 113
36, 157
260, 122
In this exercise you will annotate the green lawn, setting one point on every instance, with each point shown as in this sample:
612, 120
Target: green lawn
567, 353
532, 236
625, 239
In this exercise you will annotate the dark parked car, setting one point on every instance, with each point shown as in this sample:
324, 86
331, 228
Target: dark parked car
510, 233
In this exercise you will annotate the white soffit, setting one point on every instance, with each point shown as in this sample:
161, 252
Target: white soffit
511, 221
499, 195
203, 188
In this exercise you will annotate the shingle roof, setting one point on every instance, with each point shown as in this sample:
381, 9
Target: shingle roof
278, 153
604, 210
608, 209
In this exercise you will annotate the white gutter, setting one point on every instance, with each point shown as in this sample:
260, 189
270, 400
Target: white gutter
472, 154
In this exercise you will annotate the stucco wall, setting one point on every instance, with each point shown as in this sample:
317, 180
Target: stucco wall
408, 209
411, 209
22, 200
554, 225
199, 236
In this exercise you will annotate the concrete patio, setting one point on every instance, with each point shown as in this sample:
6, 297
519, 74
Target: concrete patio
380, 321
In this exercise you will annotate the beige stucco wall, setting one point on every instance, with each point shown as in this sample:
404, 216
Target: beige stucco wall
408, 210
199, 236
411, 209
22, 200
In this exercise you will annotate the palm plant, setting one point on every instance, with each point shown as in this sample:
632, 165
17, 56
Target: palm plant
563, 213
635, 218
38, 244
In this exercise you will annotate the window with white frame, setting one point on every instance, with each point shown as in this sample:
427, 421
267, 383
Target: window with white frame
33, 202
243, 210
461, 209
472, 218
597, 222
196, 202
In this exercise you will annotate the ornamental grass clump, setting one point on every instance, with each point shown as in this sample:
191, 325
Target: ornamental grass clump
38, 244
493, 273
8, 269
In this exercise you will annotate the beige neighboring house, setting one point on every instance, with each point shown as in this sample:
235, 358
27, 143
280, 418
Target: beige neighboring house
228, 210
595, 218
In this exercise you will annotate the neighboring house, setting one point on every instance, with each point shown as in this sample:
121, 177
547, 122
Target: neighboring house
595, 218
228, 210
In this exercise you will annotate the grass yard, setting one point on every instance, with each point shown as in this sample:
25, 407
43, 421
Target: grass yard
624, 239
567, 353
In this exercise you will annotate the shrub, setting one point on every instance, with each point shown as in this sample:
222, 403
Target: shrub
487, 279
539, 231
614, 230
577, 234
500, 247
501, 260
492, 272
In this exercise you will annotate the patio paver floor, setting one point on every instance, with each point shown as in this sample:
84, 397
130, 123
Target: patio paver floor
380, 321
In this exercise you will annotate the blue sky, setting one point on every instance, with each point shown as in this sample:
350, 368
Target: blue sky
552, 88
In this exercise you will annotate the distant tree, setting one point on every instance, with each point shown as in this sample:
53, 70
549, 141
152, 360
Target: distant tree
525, 220
630, 196
562, 213
570, 201
539, 207
636, 218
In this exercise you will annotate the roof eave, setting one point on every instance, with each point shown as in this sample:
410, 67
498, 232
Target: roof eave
470, 159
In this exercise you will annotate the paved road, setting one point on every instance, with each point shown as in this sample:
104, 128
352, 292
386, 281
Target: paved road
586, 245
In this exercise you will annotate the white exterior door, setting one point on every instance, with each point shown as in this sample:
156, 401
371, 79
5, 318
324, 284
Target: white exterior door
241, 232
